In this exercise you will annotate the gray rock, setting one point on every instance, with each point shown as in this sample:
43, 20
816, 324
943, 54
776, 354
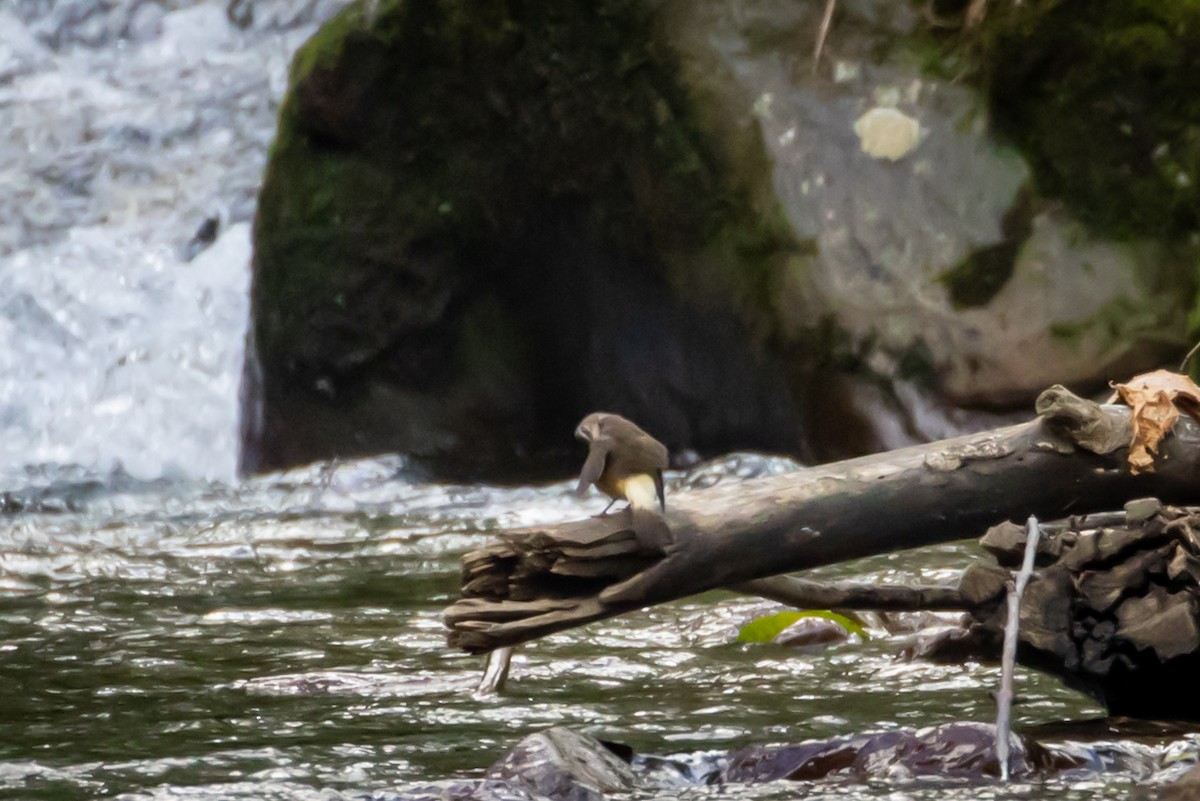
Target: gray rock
911, 253
1141, 509
563, 765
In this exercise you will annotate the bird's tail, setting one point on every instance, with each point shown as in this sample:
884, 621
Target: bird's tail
645, 507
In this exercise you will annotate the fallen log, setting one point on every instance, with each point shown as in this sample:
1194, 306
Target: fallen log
1069, 460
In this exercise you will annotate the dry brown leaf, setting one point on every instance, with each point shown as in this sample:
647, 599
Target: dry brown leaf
1156, 399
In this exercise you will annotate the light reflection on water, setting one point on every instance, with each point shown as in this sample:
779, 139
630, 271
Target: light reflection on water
282, 639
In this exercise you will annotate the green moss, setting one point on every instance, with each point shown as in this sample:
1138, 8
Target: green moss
978, 278
916, 365
324, 47
1102, 99
301, 235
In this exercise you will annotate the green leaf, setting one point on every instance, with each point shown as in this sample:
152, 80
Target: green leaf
766, 629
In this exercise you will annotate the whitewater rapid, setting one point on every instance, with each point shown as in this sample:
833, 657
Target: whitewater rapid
123, 128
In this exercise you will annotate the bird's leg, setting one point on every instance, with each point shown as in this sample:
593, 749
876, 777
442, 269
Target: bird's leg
606, 508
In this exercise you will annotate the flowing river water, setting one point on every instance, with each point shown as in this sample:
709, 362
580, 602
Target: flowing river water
281, 639
167, 631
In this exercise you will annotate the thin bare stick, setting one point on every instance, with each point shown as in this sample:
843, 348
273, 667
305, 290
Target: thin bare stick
1008, 659
495, 671
823, 32
974, 15
536, 581
807, 594
1188, 358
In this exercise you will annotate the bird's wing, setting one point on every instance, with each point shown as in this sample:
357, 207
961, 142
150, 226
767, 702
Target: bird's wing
594, 466
662, 459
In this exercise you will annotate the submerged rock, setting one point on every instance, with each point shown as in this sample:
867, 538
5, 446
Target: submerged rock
950, 751
812, 632
562, 764
557, 764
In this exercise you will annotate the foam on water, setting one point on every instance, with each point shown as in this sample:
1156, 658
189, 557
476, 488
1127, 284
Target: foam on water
136, 364
123, 126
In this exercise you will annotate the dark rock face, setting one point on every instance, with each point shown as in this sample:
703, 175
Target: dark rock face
1113, 611
474, 230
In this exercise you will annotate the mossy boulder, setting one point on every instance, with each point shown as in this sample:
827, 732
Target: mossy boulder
474, 228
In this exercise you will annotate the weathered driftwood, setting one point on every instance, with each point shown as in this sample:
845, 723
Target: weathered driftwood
1113, 611
1070, 460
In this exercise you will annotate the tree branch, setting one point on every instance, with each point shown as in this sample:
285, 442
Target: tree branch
1070, 460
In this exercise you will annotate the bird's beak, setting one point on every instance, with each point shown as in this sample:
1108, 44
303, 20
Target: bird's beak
581, 433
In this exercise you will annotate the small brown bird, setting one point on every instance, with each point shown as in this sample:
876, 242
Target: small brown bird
624, 461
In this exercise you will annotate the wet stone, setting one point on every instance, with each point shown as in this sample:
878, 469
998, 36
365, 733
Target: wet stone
1085, 551
1103, 630
811, 760
1185, 788
1115, 543
1095, 657
563, 765
1181, 528
812, 632
953, 750
962, 750
1116, 616
1046, 612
